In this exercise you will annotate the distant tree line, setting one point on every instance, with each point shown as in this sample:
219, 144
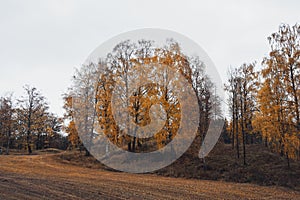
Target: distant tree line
27, 124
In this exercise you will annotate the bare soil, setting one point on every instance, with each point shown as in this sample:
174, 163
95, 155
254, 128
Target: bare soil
45, 176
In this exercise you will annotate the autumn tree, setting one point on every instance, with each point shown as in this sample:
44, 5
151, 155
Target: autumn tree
7, 121
247, 90
119, 63
105, 89
233, 103
242, 87
70, 126
130, 61
84, 101
278, 97
31, 111
52, 136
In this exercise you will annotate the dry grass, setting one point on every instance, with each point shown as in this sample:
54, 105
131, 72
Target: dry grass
262, 168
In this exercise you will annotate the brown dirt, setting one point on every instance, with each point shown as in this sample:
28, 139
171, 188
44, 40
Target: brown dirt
45, 177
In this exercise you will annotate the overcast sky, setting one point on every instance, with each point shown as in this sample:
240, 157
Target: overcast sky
42, 42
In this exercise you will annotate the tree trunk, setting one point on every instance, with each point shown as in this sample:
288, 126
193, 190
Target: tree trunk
133, 144
7, 148
244, 147
237, 130
266, 141
288, 160
87, 153
28, 143
29, 148
233, 123
204, 164
8, 142
237, 143
295, 94
129, 146
243, 120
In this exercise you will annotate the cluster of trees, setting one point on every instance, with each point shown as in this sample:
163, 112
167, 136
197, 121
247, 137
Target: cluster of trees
26, 123
265, 103
97, 85
242, 87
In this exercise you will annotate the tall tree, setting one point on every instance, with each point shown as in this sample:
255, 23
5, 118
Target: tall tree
7, 120
70, 126
31, 112
247, 90
279, 94
242, 87
232, 89
85, 89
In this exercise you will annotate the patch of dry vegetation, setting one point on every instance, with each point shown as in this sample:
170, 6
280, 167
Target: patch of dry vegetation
263, 167
43, 177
